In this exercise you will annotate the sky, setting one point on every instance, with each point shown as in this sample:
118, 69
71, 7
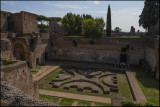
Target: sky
124, 14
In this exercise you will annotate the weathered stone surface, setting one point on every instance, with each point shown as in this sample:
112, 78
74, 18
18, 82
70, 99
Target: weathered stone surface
15, 97
18, 75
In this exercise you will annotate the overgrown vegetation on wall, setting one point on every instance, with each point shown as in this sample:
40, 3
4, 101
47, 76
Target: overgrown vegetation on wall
7, 61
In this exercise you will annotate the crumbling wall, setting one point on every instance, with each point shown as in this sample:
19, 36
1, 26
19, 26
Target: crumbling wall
29, 21
4, 21
17, 23
6, 49
41, 50
18, 75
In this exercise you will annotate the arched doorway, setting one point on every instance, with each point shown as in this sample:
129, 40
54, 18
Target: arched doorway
19, 52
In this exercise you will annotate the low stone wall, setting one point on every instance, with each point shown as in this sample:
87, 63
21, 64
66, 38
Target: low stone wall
18, 75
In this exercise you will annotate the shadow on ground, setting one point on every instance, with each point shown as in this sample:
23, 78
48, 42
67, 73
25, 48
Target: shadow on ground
146, 79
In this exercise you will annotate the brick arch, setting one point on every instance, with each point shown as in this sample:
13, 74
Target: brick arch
21, 50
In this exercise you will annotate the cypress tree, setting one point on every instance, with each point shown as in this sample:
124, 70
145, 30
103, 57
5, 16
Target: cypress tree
108, 23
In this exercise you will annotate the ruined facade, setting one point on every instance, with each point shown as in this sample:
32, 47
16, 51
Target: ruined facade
22, 22
132, 31
21, 30
36, 48
54, 27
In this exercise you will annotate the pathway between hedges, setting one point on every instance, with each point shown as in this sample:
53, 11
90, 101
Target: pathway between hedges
44, 74
135, 88
76, 96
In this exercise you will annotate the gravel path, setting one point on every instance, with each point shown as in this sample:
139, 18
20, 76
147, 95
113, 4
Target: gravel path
135, 88
76, 96
44, 74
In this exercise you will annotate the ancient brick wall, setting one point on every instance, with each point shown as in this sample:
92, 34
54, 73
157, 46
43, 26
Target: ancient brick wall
19, 75
104, 50
4, 21
29, 21
41, 53
17, 22
6, 49
152, 58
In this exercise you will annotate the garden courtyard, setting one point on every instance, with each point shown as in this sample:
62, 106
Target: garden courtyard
112, 85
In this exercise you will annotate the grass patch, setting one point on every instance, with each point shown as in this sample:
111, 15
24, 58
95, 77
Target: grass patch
38, 67
133, 103
67, 101
102, 104
51, 98
148, 84
130, 36
83, 102
44, 83
33, 72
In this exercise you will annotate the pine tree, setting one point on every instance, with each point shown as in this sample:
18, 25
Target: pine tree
108, 23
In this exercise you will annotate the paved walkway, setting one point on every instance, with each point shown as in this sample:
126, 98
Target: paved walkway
44, 74
135, 88
41, 70
76, 96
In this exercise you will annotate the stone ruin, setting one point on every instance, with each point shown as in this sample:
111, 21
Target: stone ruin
86, 79
132, 31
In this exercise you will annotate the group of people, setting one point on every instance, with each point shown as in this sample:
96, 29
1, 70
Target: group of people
120, 65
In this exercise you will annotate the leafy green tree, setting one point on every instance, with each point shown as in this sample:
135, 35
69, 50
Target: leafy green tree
43, 22
117, 29
68, 23
99, 23
78, 21
149, 15
87, 16
108, 23
72, 23
54, 18
93, 28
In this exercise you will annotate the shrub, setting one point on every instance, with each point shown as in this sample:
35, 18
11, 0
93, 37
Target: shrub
7, 61
148, 104
132, 103
128, 103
